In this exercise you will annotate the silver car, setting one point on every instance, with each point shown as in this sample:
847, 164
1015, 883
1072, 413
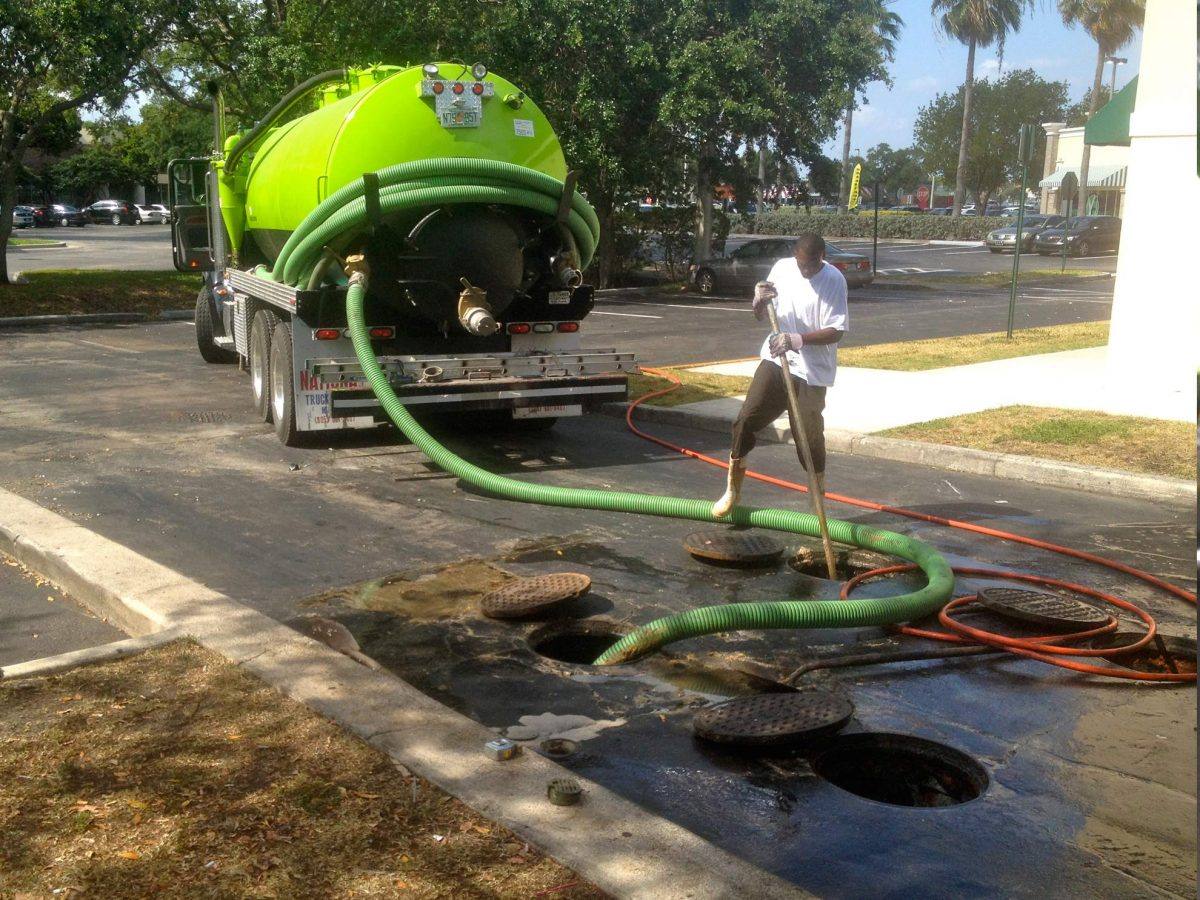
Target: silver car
1002, 239
751, 262
22, 217
152, 213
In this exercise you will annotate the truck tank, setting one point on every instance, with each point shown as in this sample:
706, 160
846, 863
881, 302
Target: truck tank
382, 116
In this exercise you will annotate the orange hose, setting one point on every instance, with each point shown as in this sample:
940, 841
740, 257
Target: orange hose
1040, 648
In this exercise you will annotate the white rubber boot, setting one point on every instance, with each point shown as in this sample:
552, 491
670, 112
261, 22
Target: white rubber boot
733, 488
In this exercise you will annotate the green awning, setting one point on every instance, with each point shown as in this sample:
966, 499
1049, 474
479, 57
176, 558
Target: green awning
1109, 127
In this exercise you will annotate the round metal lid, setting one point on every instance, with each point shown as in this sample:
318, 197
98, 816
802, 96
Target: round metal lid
1037, 608
773, 719
525, 597
743, 548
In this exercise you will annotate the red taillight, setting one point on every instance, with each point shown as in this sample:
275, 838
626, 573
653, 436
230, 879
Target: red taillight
477, 88
327, 334
195, 264
840, 266
382, 331
518, 328
863, 265
568, 326
458, 87
438, 87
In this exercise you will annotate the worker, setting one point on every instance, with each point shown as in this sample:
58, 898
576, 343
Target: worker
809, 296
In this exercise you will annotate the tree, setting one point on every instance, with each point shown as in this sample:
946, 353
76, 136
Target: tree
1000, 108
886, 31
58, 56
976, 23
895, 170
824, 175
1112, 24
1077, 113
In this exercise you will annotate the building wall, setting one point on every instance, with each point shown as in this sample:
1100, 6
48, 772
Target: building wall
1064, 149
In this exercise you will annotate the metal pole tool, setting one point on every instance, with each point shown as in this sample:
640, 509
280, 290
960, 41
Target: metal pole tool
802, 450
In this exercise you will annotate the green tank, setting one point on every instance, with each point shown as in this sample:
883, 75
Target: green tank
378, 117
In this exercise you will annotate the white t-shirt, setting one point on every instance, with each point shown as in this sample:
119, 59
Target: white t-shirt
809, 304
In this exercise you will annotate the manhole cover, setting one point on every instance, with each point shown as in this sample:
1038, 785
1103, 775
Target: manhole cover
526, 597
773, 719
1047, 610
742, 548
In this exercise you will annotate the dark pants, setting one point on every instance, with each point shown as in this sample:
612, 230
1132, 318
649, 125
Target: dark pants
766, 401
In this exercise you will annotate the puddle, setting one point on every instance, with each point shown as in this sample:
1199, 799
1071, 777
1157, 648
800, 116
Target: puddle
451, 591
901, 770
673, 676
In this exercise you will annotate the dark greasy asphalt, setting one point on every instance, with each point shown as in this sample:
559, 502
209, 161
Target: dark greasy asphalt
1092, 785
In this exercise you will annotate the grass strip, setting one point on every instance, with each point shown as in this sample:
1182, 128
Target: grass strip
937, 353
32, 242
1131, 443
177, 773
1045, 277
696, 386
75, 291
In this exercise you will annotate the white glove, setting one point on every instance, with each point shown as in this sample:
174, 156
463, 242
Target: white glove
764, 293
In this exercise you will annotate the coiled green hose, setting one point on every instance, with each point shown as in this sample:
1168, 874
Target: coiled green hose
304, 253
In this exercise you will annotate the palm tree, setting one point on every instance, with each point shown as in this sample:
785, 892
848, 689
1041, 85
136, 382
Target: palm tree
976, 23
1112, 24
887, 27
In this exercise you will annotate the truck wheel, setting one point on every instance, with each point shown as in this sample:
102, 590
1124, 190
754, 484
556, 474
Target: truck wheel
283, 389
260, 362
209, 351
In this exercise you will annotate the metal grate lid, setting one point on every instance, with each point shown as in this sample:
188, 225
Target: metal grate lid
746, 548
524, 597
1037, 608
773, 719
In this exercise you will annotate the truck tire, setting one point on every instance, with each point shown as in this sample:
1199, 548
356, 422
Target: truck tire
283, 389
261, 329
209, 351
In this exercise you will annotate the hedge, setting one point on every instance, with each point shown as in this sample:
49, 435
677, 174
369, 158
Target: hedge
794, 220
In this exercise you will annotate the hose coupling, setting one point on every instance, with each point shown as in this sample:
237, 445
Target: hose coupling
474, 313
357, 270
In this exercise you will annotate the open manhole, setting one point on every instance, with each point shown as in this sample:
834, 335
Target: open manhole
1043, 610
1180, 653
539, 595
724, 547
773, 720
579, 642
848, 562
901, 770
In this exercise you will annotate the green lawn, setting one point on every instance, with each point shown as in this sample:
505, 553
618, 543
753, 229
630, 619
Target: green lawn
71, 291
696, 386
936, 353
32, 242
1149, 446
1045, 276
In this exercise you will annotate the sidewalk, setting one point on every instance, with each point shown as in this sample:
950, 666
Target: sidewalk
870, 400
866, 401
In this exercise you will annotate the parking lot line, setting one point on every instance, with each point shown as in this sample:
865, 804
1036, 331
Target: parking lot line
600, 312
106, 346
680, 306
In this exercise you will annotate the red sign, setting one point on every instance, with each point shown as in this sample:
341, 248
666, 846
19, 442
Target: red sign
923, 196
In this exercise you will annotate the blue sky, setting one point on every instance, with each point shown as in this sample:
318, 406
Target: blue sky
928, 63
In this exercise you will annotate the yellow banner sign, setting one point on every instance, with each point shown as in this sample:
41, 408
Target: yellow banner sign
852, 202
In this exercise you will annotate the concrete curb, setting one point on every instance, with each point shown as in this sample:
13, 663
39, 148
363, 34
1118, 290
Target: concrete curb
47, 246
63, 662
622, 848
1028, 469
72, 319
119, 318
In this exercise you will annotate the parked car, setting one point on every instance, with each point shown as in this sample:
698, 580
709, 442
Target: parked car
116, 212
43, 216
148, 214
1001, 239
22, 217
65, 214
1084, 236
163, 211
752, 262
939, 211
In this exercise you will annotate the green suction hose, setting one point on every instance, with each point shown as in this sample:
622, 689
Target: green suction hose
304, 253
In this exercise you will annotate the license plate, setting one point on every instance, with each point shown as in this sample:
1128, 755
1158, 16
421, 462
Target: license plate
560, 297
546, 412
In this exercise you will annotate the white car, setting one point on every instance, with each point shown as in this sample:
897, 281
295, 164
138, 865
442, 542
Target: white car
153, 213
22, 217
166, 213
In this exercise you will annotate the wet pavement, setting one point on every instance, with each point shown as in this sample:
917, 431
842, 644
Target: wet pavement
1090, 784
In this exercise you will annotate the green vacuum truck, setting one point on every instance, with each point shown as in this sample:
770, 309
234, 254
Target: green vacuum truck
443, 189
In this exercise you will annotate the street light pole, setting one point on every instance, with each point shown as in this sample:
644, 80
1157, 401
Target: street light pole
1116, 61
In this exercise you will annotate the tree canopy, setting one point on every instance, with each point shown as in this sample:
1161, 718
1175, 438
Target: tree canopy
999, 108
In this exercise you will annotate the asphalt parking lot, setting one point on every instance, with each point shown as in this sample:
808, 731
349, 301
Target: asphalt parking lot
125, 431
141, 247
